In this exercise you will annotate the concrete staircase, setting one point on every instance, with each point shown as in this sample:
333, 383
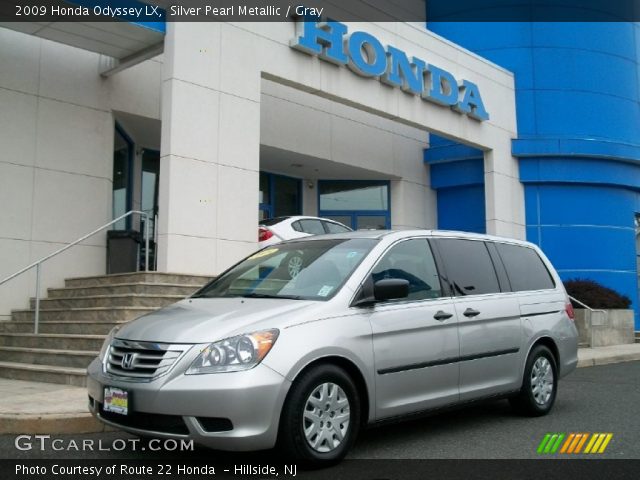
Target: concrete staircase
638, 337
74, 321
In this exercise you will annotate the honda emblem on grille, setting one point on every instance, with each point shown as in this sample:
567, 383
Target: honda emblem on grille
128, 361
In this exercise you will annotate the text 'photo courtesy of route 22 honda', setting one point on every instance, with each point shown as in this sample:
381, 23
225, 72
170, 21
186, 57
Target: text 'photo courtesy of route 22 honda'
375, 325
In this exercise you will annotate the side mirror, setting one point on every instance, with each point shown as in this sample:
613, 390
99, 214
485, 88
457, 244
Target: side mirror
386, 289
390, 289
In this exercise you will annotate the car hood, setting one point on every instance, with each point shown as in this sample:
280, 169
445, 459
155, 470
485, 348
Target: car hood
203, 320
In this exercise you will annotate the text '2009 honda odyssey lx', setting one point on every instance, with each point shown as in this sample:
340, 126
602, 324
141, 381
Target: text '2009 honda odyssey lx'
305, 342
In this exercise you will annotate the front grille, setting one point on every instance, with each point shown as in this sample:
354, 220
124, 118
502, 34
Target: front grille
154, 422
141, 360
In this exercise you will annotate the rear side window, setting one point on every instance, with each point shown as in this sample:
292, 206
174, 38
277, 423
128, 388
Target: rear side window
335, 228
468, 266
311, 226
525, 268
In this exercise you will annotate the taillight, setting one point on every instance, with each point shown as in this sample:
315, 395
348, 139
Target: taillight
570, 313
264, 234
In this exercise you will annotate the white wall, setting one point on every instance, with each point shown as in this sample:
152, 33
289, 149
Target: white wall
216, 113
343, 138
56, 132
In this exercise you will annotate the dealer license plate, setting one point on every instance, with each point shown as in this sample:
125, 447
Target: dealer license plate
116, 400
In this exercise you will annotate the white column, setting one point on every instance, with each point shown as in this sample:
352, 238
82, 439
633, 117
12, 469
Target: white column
504, 193
210, 155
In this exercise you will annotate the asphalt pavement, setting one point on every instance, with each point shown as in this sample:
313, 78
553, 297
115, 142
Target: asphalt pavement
601, 399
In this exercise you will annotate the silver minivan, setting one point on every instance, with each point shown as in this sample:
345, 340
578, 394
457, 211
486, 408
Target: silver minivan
305, 342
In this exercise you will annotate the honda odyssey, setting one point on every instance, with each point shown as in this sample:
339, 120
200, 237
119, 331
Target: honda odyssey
304, 343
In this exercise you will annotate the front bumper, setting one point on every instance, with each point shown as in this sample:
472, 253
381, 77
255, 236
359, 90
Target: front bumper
251, 400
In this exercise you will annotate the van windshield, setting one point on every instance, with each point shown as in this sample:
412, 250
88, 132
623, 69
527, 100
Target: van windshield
304, 270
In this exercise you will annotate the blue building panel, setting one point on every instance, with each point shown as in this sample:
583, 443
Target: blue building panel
585, 115
594, 171
578, 113
462, 208
613, 38
457, 174
589, 248
584, 205
564, 69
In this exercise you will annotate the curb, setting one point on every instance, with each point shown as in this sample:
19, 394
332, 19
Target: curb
608, 359
53, 423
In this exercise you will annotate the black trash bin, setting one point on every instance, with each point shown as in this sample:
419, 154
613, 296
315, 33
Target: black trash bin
123, 250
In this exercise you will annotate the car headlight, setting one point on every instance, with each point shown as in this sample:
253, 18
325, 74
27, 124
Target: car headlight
107, 342
234, 354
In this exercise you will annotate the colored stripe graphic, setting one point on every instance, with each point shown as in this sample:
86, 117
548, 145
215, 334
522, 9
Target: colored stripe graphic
607, 439
550, 443
582, 440
573, 443
567, 442
543, 443
599, 443
591, 443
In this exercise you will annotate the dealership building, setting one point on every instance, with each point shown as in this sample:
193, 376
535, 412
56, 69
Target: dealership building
526, 130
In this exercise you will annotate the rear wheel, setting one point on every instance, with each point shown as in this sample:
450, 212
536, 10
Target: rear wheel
321, 417
539, 385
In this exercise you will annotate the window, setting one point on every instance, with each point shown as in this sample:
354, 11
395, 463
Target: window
313, 270
279, 196
314, 227
469, 266
525, 268
122, 162
286, 196
359, 204
335, 228
411, 260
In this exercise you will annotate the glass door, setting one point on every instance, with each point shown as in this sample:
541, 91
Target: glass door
149, 200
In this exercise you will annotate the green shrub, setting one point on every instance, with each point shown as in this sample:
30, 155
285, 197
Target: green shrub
595, 295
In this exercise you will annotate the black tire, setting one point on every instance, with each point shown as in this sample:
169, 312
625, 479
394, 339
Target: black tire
525, 402
291, 437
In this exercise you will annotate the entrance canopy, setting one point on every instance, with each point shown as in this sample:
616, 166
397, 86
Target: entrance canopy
126, 42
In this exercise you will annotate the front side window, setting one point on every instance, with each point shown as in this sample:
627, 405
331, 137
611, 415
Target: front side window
469, 266
411, 260
311, 270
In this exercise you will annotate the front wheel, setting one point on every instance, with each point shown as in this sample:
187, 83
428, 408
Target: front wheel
321, 417
539, 385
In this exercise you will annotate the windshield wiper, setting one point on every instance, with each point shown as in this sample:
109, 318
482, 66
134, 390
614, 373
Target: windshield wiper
266, 295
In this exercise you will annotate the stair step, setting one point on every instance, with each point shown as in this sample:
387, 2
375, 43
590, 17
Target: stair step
43, 373
137, 277
124, 288
52, 341
115, 300
48, 356
78, 314
87, 327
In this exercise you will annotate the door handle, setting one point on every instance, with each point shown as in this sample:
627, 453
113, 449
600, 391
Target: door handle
470, 312
440, 315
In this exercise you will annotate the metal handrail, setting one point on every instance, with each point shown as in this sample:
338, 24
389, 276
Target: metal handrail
591, 310
38, 263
